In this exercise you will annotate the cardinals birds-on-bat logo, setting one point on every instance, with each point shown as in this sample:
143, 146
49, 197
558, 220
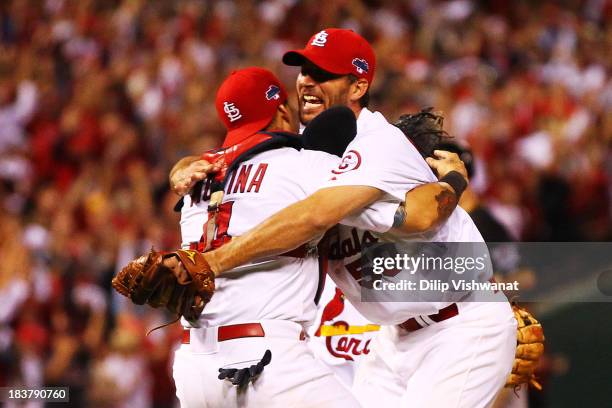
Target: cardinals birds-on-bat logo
332, 310
339, 335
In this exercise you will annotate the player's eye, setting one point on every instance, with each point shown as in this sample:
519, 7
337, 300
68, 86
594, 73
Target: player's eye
317, 74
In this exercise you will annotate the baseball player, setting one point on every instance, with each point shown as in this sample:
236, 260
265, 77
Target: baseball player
264, 306
268, 304
427, 354
341, 336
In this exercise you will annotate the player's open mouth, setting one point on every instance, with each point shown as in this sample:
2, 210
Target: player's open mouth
311, 102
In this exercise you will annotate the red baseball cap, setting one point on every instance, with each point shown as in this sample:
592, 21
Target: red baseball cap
247, 101
338, 51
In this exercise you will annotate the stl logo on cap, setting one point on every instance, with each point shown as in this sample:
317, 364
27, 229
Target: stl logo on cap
361, 65
232, 112
273, 92
320, 39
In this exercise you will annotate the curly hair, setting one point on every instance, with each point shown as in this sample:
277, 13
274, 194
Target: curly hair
424, 130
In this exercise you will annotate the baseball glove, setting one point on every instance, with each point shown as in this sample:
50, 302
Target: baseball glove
146, 280
529, 349
424, 130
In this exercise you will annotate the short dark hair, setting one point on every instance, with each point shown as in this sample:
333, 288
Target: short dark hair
364, 101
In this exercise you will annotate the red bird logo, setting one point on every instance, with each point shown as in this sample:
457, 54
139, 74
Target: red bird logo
333, 309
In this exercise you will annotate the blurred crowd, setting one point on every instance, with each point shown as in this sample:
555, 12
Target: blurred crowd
98, 98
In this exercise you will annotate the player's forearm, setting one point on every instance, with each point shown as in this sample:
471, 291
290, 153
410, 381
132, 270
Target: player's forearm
426, 207
293, 226
284, 231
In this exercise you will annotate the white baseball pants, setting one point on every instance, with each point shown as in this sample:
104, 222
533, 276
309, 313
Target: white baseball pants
460, 362
294, 377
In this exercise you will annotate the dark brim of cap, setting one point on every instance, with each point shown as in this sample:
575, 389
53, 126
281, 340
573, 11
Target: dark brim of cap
294, 58
298, 57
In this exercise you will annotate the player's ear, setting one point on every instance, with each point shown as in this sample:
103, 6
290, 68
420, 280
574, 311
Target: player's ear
283, 111
358, 88
284, 118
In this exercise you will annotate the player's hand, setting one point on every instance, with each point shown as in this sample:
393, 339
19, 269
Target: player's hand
184, 177
445, 162
180, 280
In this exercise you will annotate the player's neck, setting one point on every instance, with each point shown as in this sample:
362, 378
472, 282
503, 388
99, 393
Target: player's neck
357, 111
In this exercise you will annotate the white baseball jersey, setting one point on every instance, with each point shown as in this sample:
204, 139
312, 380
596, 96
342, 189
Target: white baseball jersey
282, 287
381, 156
341, 336
434, 366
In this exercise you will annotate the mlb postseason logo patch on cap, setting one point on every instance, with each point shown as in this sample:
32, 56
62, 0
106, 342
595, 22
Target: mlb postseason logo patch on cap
320, 39
232, 112
361, 65
273, 92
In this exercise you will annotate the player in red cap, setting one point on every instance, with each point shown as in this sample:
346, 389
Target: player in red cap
337, 68
248, 348
250, 100
427, 354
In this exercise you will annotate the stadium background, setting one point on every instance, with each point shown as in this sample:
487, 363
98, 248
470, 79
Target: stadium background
99, 98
